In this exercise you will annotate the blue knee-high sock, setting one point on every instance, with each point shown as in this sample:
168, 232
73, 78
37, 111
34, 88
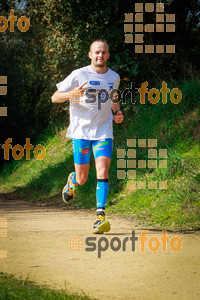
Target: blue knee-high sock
74, 178
101, 195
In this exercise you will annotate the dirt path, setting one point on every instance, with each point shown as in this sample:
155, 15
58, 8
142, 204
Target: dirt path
37, 245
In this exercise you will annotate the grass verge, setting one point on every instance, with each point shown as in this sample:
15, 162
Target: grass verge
11, 288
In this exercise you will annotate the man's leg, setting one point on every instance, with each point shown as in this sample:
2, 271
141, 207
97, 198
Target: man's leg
103, 154
102, 166
81, 173
81, 153
74, 179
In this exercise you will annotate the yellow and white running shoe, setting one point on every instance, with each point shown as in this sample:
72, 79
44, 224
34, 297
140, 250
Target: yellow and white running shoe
101, 225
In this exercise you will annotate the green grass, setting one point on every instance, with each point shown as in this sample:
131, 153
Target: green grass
176, 128
40, 179
11, 288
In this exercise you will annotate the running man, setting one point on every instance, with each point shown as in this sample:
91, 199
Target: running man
91, 125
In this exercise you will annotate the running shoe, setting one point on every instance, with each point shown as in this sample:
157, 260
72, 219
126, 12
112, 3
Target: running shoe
101, 225
68, 191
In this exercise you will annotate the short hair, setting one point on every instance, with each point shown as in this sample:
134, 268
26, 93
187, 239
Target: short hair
99, 40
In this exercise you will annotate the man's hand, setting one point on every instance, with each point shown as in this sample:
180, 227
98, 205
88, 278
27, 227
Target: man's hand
60, 97
118, 118
77, 92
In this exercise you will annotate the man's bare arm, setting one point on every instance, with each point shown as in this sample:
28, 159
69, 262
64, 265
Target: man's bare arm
118, 118
115, 106
59, 97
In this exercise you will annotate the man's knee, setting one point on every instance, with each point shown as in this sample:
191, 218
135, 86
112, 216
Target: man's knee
81, 179
102, 173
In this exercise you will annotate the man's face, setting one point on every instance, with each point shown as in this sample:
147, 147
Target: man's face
99, 54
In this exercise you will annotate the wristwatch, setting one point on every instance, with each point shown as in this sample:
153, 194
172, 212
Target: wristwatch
116, 112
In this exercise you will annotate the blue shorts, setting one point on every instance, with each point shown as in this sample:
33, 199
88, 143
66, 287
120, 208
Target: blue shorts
82, 149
